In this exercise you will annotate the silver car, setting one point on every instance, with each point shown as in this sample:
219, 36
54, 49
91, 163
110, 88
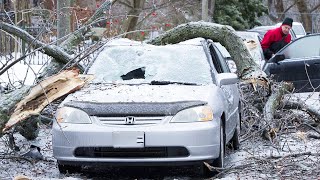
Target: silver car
150, 105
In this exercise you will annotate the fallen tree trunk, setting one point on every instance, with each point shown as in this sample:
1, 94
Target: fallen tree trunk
8, 102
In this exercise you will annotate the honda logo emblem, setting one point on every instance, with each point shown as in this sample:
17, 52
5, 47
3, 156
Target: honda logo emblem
130, 120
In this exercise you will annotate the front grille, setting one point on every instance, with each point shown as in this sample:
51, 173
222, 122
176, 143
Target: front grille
147, 152
137, 120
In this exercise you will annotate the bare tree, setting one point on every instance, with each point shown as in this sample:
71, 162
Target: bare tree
63, 17
205, 10
305, 14
304, 7
133, 15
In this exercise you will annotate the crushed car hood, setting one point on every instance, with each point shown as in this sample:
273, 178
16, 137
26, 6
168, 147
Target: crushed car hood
142, 93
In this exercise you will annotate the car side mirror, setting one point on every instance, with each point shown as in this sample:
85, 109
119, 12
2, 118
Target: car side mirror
227, 79
277, 58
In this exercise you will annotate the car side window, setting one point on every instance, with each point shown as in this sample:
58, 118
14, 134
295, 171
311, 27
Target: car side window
218, 61
294, 50
223, 61
215, 59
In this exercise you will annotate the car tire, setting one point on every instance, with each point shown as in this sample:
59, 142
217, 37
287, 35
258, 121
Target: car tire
235, 141
217, 163
64, 169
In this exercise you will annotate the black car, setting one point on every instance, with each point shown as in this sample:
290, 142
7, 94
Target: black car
299, 63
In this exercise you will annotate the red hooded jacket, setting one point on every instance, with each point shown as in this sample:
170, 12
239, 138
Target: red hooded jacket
273, 36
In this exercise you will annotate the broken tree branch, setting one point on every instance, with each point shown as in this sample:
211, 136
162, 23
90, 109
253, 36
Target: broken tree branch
273, 102
51, 50
76, 37
313, 111
44, 93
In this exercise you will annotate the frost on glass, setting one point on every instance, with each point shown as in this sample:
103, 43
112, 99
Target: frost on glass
179, 63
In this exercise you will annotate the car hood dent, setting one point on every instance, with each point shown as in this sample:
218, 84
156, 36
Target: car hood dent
142, 93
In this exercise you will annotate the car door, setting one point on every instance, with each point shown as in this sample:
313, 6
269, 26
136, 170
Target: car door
230, 91
299, 63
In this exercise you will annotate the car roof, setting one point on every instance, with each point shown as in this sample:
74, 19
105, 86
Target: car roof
128, 42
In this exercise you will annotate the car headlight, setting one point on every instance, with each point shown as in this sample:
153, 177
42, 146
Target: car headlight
195, 114
72, 115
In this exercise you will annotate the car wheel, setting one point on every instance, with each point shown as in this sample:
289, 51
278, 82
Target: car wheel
217, 163
68, 168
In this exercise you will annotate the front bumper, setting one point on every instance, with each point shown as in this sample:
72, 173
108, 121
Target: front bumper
201, 140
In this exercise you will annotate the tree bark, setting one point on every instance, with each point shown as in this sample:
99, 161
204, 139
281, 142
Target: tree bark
133, 15
8, 102
274, 101
204, 10
279, 9
63, 19
212, 8
305, 15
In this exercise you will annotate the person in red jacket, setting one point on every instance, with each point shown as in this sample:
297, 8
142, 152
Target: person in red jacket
277, 38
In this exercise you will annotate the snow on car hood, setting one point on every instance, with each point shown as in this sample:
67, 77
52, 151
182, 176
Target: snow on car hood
142, 93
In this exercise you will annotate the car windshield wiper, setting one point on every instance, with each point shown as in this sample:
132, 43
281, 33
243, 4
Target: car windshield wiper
170, 82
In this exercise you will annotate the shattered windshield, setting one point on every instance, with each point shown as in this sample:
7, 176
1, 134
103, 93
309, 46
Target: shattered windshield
144, 63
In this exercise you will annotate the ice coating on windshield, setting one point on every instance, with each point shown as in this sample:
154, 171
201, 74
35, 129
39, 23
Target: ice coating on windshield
126, 61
